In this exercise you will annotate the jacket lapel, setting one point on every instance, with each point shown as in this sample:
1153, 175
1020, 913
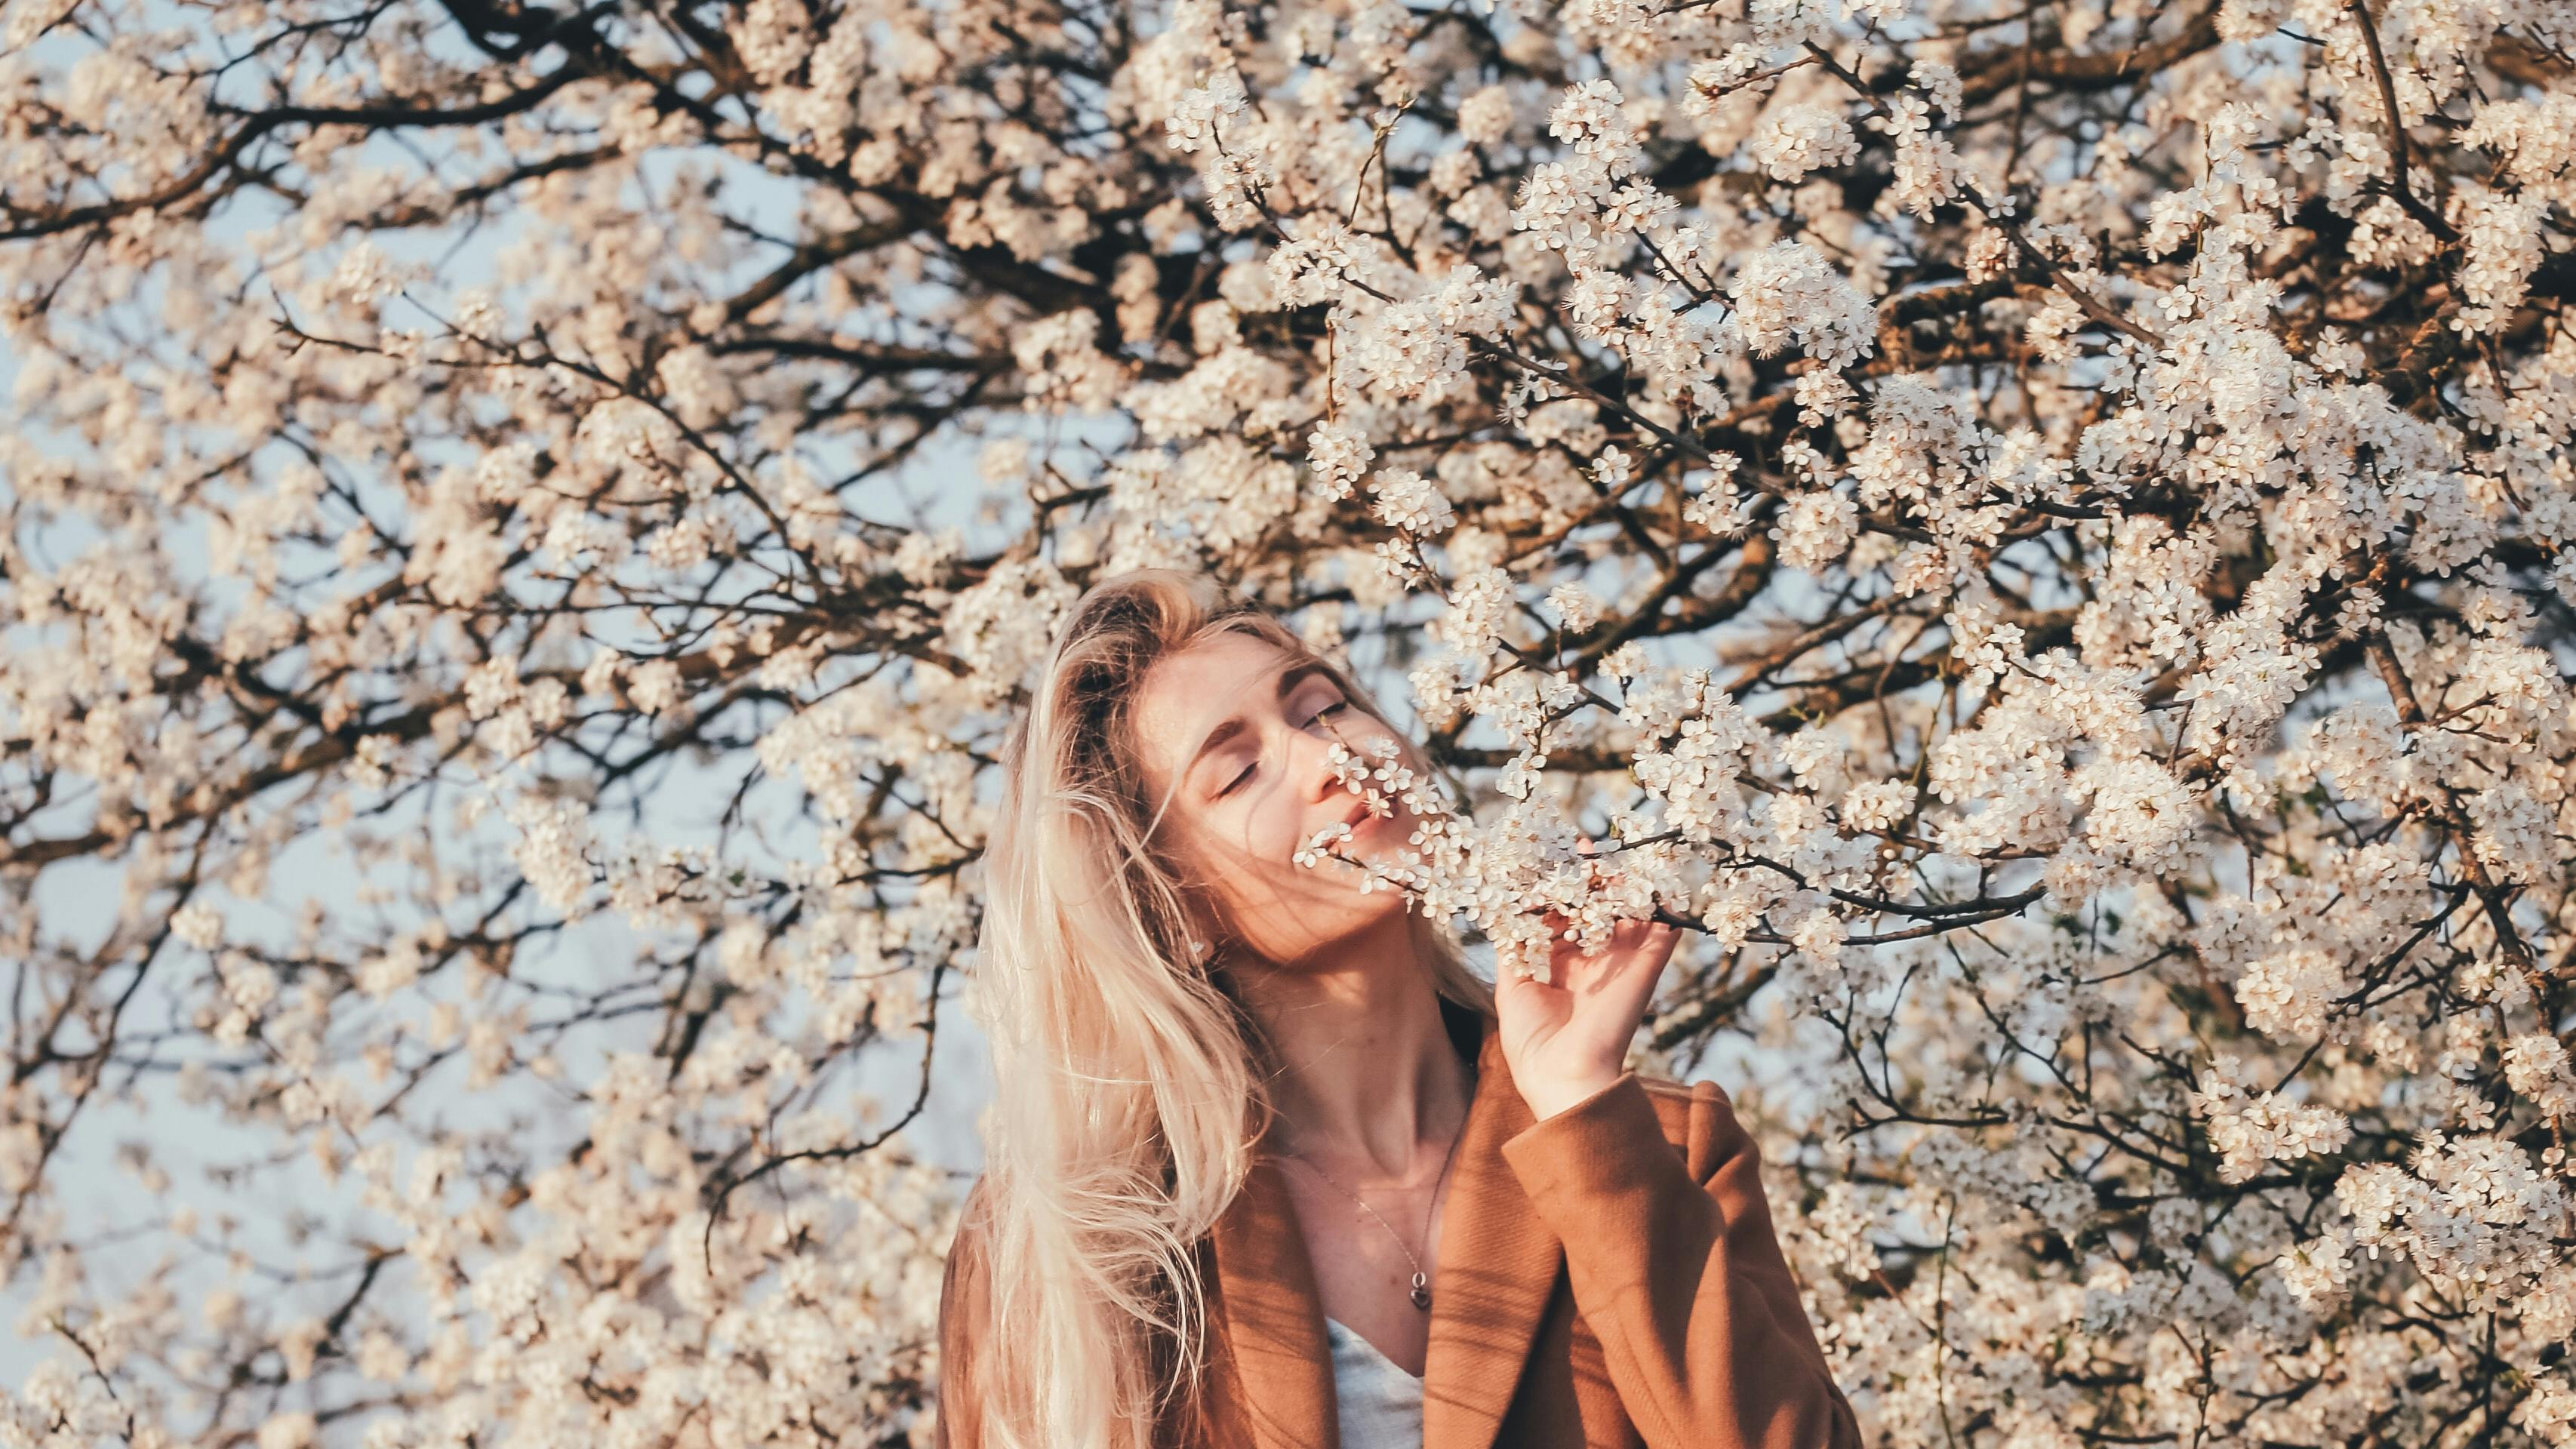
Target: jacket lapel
1497, 1271
1274, 1321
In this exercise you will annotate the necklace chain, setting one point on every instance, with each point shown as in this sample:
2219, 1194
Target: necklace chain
1421, 1290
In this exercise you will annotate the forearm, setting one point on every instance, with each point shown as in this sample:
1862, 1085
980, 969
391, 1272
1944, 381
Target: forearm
1681, 1280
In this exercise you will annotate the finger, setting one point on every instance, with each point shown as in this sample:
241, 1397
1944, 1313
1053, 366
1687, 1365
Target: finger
1524, 987
1627, 990
1655, 936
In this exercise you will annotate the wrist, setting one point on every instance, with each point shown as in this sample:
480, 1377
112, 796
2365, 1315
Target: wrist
1548, 1096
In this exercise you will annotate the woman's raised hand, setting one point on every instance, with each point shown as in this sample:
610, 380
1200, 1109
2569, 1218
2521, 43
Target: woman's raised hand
1567, 1037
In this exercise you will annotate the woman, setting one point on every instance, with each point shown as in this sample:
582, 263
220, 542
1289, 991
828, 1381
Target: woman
1266, 1164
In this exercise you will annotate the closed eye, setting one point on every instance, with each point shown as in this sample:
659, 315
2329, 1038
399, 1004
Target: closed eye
1335, 707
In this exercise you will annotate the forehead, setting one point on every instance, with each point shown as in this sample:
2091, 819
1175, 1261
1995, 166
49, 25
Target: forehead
1190, 691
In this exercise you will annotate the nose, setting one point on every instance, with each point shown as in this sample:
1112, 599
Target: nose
1316, 750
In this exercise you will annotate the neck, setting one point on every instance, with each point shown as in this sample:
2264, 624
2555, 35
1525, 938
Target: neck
1370, 1085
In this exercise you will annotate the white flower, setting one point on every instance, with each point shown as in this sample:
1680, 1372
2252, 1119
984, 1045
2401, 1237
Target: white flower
1410, 502
1801, 139
1575, 606
1787, 291
1589, 119
1485, 116
1205, 111
1612, 469
1818, 935
1340, 456
1817, 531
198, 925
2287, 996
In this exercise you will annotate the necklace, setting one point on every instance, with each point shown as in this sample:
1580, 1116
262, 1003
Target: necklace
1421, 1292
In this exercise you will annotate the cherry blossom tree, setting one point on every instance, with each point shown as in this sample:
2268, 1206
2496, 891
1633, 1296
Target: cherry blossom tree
2037, 530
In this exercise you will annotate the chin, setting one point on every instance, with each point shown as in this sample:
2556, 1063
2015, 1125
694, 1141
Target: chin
1330, 933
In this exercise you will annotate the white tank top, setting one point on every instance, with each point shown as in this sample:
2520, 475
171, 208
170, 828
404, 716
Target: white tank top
1378, 1404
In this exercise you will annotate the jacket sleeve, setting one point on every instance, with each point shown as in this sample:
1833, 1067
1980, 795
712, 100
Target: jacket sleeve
964, 1305
1675, 1269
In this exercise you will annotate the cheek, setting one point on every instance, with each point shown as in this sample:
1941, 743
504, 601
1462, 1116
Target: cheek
1242, 857
1256, 867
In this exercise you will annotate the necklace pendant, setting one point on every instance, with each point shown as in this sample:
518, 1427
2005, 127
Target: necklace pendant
1421, 1293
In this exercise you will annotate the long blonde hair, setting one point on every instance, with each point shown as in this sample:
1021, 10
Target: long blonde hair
1130, 1082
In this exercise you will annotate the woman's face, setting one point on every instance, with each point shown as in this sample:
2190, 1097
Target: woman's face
1238, 733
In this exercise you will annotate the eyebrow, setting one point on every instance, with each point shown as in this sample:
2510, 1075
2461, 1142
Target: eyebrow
1234, 725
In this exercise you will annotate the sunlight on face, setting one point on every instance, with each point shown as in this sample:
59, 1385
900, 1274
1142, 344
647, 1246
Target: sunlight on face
1235, 735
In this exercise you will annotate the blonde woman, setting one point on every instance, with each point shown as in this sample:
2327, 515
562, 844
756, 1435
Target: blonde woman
1267, 1165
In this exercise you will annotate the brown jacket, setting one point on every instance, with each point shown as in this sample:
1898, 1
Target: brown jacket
1606, 1277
